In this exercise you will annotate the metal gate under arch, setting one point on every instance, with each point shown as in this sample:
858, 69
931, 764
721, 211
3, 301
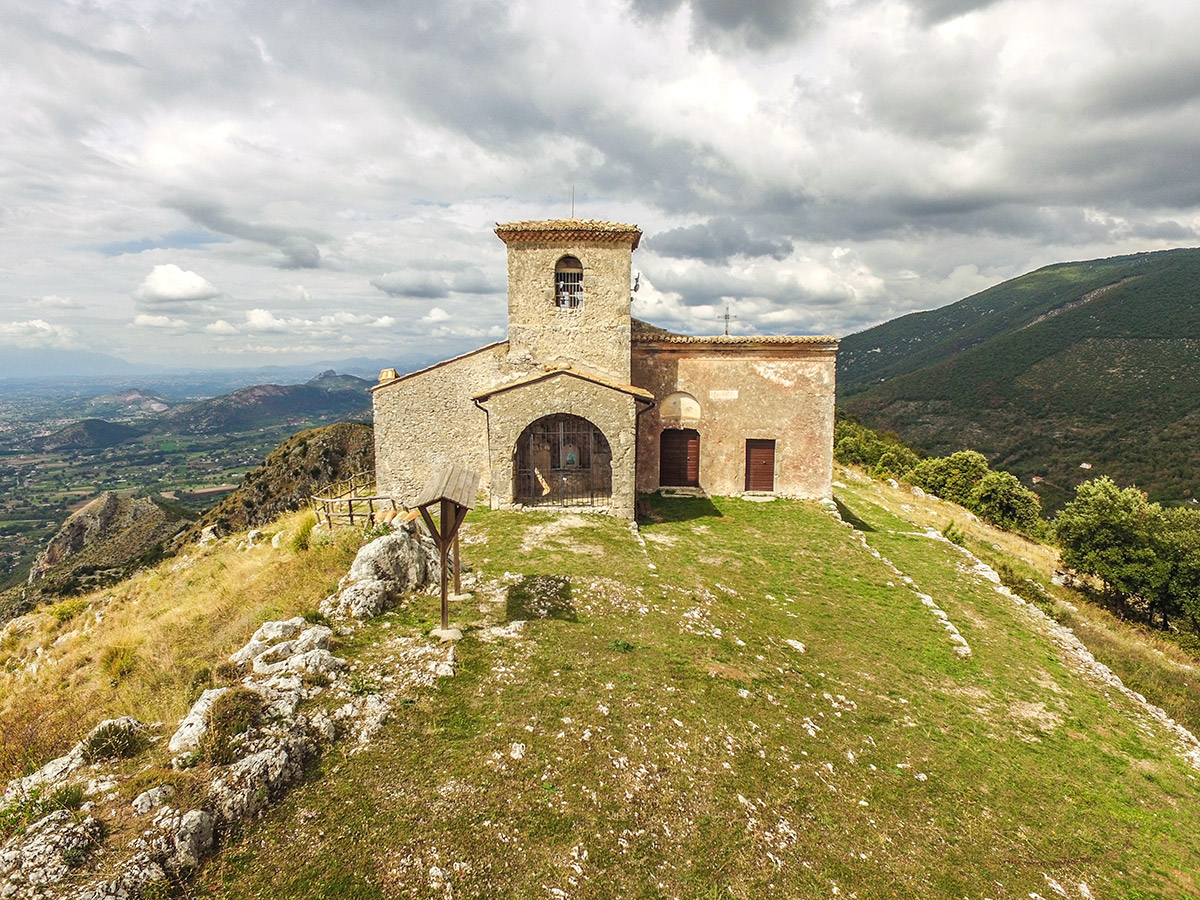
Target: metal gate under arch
562, 460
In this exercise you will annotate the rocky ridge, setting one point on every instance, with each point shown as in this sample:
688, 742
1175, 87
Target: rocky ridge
306, 700
103, 542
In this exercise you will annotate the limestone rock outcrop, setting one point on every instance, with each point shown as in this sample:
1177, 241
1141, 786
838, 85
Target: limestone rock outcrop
381, 573
103, 542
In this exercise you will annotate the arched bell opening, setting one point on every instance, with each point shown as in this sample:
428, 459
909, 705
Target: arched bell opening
562, 460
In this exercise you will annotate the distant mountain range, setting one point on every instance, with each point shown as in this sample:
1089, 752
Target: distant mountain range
1065, 373
327, 395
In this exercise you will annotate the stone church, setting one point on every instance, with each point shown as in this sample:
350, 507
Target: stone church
584, 405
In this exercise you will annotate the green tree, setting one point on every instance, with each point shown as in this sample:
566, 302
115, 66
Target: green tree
895, 462
1000, 499
952, 477
1177, 544
1111, 533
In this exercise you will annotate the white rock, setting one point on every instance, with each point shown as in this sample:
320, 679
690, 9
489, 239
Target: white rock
314, 638
270, 632
187, 737
273, 658
315, 662
249, 652
156, 796
193, 839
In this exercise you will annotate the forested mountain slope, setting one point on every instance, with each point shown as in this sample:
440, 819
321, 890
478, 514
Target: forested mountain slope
1094, 363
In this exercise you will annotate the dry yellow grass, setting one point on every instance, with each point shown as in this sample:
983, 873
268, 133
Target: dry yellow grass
148, 646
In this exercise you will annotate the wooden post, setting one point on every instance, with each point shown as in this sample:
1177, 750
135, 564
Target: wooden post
447, 517
457, 567
454, 491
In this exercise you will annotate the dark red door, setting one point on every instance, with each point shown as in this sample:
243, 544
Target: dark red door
679, 458
760, 465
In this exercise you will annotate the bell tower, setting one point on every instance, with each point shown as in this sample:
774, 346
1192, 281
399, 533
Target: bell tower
568, 294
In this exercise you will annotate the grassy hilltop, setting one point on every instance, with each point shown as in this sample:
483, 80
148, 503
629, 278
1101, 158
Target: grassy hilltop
751, 700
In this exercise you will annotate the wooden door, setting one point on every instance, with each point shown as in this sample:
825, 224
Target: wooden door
679, 458
760, 465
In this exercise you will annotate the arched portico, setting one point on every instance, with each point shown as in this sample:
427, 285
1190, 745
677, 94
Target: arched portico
562, 460
574, 430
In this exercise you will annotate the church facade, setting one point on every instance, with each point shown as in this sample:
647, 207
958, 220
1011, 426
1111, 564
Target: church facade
585, 406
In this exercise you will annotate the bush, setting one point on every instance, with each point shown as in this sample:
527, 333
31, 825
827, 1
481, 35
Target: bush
234, 712
1001, 500
118, 661
303, 535
881, 454
954, 534
953, 477
896, 462
66, 610
114, 740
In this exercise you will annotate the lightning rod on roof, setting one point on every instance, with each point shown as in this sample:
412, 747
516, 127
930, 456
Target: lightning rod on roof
572, 201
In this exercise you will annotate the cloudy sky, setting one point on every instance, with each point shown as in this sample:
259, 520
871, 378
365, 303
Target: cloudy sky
226, 183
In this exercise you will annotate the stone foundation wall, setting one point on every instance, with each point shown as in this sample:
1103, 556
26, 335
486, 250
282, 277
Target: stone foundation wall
781, 392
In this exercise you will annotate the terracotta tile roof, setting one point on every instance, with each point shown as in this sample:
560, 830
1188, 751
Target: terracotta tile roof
637, 392
735, 339
569, 230
646, 333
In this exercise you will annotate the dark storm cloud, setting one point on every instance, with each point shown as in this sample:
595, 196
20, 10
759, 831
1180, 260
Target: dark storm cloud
934, 11
717, 241
299, 249
932, 89
1145, 84
756, 25
411, 284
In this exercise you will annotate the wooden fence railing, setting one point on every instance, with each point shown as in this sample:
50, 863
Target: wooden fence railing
351, 501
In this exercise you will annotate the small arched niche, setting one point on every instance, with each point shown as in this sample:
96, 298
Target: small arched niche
568, 283
680, 406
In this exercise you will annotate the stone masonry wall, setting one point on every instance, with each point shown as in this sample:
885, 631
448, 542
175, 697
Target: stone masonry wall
595, 336
612, 411
779, 392
427, 420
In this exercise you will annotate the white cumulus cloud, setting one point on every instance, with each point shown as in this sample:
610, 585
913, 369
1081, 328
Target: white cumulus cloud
146, 321
168, 284
36, 333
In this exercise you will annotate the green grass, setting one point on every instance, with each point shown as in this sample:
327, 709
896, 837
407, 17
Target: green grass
751, 704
